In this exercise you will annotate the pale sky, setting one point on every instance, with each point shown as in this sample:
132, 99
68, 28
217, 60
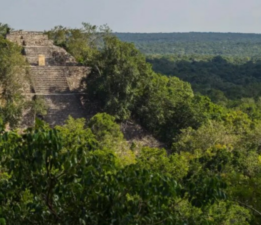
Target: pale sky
135, 15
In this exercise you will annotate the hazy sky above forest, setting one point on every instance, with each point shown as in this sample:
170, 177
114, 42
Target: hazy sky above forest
135, 15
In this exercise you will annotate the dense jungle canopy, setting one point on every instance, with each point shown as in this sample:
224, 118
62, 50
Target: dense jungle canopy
86, 172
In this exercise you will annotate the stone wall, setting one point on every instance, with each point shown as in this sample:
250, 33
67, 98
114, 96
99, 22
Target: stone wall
75, 76
27, 38
59, 78
55, 56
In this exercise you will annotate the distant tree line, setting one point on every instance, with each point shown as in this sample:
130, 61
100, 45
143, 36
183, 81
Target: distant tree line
227, 44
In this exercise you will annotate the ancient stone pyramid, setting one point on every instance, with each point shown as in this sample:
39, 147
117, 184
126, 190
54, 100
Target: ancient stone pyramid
54, 75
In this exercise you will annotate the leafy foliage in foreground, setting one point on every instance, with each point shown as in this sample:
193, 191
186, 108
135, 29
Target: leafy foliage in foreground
48, 178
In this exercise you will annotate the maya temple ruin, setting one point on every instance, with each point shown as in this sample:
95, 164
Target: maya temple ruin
54, 75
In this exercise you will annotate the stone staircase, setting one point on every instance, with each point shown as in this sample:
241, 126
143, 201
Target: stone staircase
29, 38
49, 80
54, 55
58, 82
62, 106
34, 51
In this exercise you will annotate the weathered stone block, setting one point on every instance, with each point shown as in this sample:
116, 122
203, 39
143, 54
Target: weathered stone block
41, 60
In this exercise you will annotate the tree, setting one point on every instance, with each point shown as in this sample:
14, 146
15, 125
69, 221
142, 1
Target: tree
82, 43
13, 78
119, 77
4, 29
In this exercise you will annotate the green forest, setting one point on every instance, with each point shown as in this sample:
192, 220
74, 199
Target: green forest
219, 77
204, 109
225, 44
226, 67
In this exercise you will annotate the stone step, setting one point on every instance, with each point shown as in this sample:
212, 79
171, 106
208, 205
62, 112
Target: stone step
54, 55
49, 61
49, 80
61, 106
51, 89
48, 74
34, 52
58, 67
